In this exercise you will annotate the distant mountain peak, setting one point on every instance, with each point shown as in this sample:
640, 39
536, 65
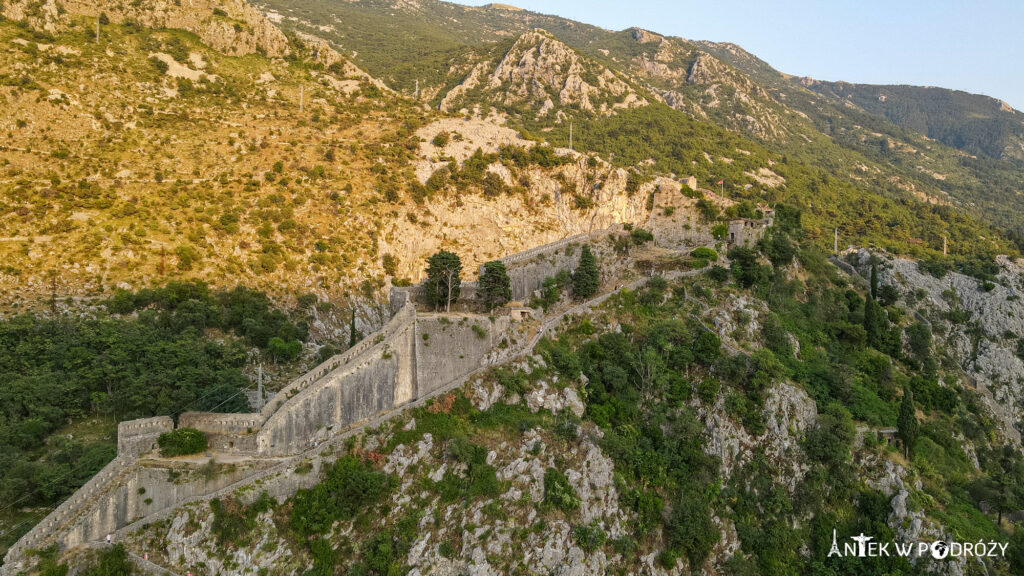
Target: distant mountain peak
503, 7
542, 72
645, 36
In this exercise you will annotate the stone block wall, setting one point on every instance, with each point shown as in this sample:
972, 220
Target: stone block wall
448, 348
747, 232
387, 370
142, 489
137, 437
225, 432
379, 375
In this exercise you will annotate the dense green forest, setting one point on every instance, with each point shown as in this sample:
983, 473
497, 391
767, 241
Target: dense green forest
66, 381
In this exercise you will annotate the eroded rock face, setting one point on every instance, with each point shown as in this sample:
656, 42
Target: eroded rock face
983, 337
907, 521
232, 27
542, 71
190, 541
788, 414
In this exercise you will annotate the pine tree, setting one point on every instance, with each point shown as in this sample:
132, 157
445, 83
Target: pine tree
585, 279
444, 283
907, 425
495, 285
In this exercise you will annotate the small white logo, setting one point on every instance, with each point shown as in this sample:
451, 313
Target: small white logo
940, 549
864, 546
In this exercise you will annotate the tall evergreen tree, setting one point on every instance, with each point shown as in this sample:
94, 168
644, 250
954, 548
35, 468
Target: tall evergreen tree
444, 283
906, 424
874, 281
352, 337
495, 285
585, 278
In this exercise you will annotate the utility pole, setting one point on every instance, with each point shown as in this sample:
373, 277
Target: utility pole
835, 242
53, 292
259, 387
570, 135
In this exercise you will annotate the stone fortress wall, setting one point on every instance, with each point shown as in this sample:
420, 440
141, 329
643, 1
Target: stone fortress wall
414, 356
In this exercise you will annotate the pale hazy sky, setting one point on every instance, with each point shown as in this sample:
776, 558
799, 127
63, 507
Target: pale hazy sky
974, 46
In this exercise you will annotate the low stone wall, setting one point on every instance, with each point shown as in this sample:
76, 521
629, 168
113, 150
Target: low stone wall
137, 437
467, 302
225, 432
547, 248
68, 511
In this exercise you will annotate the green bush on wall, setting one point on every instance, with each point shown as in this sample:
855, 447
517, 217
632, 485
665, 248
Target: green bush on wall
182, 441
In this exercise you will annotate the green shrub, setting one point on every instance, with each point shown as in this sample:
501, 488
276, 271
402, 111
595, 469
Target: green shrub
349, 486
704, 253
589, 537
181, 442
113, 561
558, 493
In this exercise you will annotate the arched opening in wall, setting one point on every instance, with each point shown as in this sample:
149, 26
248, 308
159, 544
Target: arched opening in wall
231, 445
152, 446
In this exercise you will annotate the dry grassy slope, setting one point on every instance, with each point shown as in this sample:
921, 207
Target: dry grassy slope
116, 172
229, 26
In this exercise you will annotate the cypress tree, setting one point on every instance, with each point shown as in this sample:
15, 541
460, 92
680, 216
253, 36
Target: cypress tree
495, 285
585, 279
352, 338
907, 425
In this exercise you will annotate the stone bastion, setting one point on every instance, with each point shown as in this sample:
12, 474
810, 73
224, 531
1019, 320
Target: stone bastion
414, 356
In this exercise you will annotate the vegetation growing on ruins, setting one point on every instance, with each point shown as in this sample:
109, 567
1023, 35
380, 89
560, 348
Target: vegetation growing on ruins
494, 286
181, 442
444, 279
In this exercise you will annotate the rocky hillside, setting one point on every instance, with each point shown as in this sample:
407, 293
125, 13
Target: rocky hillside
540, 72
232, 27
888, 152
204, 143
703, 425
